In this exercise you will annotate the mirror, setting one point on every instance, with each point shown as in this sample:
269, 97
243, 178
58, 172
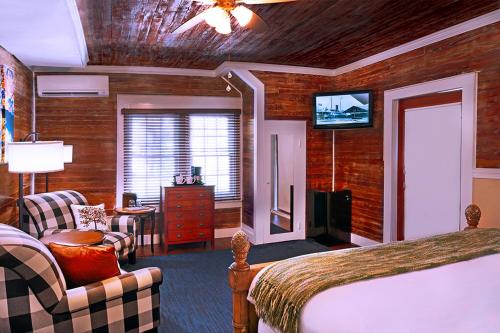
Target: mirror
282, 164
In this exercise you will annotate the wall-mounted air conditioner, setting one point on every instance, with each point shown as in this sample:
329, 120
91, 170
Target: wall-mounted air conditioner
73, 85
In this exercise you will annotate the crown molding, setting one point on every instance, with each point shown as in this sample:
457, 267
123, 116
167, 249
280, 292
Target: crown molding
220, 70
452, 31
130, 70
227, 66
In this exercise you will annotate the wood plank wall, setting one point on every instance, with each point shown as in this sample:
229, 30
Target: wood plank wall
289, 97
23, 96
359, 153
248, 136
89, 124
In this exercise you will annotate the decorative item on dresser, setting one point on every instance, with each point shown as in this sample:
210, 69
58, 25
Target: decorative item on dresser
188, 214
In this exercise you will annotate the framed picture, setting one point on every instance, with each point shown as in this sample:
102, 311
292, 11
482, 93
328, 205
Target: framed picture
6, 109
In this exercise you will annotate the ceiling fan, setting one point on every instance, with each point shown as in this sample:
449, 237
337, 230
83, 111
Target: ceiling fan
219, 15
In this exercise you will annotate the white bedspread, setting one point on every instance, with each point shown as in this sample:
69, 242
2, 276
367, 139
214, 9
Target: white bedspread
461, 298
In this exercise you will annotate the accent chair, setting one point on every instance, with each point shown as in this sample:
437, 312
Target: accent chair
34, 296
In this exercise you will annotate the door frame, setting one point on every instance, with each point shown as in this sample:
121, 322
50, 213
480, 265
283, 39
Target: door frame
419, 102
468, 84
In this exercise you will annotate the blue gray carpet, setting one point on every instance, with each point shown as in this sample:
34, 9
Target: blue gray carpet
195, 296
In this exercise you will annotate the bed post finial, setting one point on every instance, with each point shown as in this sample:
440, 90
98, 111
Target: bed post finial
240, 247
239, 279
472, 214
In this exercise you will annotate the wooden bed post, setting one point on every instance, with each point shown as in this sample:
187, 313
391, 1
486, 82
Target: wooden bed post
473, 215
239, 280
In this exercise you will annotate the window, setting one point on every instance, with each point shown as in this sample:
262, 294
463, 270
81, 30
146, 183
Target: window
159, 144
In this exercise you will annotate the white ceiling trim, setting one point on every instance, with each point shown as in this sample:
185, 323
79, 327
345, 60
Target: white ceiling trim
80, 36
254, 66
130, 70
226, 66
452, 31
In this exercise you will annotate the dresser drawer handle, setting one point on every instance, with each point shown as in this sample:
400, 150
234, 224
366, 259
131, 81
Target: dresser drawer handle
179, 226
179, 235
179, 206
202, 224
202, 234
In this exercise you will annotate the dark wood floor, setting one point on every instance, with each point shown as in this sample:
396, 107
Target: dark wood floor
220, 244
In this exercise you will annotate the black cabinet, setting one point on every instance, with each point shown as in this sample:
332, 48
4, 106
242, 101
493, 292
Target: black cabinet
329, 216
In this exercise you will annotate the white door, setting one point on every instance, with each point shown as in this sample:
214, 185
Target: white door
432, 162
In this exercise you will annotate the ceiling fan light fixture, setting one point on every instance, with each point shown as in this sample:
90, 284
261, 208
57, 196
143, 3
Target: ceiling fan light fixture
224, 26
215, 15
243, 15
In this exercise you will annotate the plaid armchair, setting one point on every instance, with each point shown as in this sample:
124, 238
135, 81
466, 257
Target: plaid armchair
33, 294
49, 213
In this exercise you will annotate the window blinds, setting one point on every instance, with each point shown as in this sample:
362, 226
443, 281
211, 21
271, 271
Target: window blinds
159, 144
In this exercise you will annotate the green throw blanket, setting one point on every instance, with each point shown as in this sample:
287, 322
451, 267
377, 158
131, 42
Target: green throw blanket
284, 288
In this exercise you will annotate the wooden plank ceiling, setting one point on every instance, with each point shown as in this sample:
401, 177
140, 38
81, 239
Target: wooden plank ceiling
314, 33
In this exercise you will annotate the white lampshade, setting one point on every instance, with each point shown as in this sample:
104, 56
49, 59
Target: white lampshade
68, 153
35, 157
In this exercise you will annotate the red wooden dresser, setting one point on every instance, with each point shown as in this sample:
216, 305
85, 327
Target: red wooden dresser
188, 214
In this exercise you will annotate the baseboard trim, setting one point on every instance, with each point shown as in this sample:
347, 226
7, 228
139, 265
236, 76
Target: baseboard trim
362, 241
219, 233
486, 173
227, 232
147, 239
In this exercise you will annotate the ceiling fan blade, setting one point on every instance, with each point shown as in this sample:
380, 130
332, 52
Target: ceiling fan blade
257, 24
191, 23
205, 2
261, 2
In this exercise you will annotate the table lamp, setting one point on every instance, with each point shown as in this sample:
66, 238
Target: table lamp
33, 157
68, 154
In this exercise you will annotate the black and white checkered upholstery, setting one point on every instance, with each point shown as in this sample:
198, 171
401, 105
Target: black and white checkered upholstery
49, 213
52, 210
34, 298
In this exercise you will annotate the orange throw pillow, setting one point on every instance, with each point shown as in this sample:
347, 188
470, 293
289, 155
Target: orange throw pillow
82, 265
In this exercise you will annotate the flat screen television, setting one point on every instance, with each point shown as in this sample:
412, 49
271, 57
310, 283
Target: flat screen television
345, 109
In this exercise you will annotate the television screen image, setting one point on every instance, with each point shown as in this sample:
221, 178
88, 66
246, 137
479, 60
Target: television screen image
343, 110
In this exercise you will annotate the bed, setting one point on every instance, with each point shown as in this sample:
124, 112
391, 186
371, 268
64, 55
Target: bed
462, 296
